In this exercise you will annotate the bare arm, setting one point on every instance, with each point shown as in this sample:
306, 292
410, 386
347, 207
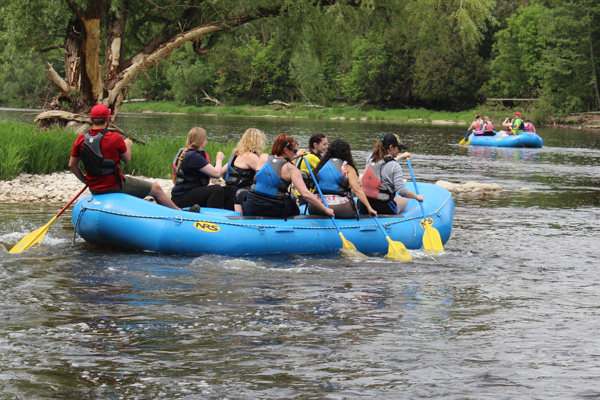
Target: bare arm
76, 169
357, 189
296, 178
214, 171
126, 157
411, 195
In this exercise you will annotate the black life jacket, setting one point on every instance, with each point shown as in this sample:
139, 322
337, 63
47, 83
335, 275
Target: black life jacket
308, 181
198, 179
237, 176
92, 158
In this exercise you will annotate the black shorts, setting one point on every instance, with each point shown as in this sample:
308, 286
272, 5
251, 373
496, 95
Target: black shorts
382, 207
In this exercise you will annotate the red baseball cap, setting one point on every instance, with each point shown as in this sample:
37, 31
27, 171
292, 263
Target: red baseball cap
100, 111
517, 114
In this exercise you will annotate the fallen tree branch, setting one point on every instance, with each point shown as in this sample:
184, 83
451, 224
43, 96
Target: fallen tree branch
63, 119
208, 98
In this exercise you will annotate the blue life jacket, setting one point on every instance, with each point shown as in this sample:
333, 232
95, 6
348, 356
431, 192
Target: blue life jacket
268, 182
331, 180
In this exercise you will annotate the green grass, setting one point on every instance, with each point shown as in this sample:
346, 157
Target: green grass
23, 149
368, 113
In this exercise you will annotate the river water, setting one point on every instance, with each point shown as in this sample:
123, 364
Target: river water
510, 310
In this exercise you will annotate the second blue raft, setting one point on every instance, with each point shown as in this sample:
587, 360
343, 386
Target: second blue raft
525, 139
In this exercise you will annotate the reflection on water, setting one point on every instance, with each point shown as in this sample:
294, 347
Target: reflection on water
505, 312
504, 153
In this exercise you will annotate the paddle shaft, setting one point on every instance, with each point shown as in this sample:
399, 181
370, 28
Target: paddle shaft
320, 192
416, 187
37, 235
380, 226
465, 138
70, 202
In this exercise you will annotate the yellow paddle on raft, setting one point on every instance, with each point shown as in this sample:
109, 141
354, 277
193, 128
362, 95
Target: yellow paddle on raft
397, 250
463, 140
347, 247
432, 242
37, 235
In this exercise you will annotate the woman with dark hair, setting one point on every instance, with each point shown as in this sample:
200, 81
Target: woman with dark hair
317, 146
338, 178
269, 194
383, 178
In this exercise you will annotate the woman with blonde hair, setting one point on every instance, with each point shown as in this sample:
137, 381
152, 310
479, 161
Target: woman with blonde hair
242, 166
269, 194
193, 173
383, 178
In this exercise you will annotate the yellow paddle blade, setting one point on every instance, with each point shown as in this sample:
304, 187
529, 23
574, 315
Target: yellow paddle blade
432, 242
349, 250
462, 141
32, 238
397, 251
468, 143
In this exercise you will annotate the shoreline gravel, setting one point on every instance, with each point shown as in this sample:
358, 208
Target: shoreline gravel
61, 187
58, 187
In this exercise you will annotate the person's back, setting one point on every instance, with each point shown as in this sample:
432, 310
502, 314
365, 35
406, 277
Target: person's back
487, 129
517, 124
528, 126
337, 177
383, 178
193, 173
101, 161
240, 170
111, 145
269, 195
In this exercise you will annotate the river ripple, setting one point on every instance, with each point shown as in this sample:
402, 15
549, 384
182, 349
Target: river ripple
509, 311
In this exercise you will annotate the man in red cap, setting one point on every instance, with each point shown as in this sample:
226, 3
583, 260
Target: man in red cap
517, 124
101, 151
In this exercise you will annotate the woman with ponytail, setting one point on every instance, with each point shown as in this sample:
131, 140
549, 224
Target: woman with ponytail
382, 179
193, 173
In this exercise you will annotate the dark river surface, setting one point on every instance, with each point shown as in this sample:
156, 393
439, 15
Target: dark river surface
510, 310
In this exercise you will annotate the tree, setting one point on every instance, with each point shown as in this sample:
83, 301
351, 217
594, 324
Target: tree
548, 50
108, 43
96, 48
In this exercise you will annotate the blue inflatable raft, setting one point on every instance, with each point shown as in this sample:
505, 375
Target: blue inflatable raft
122, 221
525, 139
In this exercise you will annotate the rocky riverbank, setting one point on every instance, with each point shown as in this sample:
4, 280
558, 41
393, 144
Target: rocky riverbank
61, 187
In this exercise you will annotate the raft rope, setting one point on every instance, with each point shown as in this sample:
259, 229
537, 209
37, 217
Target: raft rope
180, 219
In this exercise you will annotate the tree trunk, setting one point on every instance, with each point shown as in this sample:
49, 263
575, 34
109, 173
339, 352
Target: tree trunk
593, 64
83, 71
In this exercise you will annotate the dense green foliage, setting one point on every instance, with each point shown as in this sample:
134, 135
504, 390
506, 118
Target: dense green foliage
21, 144
443, 55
